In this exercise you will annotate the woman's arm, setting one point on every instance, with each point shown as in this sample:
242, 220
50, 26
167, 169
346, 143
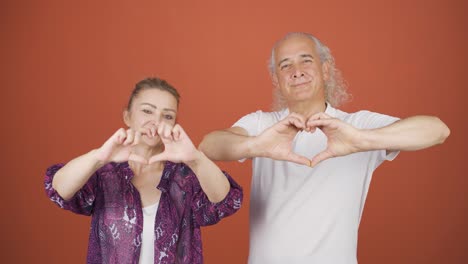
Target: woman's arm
74, 175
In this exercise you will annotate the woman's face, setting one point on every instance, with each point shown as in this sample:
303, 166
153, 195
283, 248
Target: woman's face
150, 108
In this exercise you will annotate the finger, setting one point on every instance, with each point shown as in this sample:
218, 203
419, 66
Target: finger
130, 136
165, 131
161, 132
137, 158
312, 124
120, 136
143, 130
310, 128
320, 115
137, 139
177, 131
153, 131
298, 123
299, 159
168, 131
160, 129
159, 157
319, 158
147, 132
294, 121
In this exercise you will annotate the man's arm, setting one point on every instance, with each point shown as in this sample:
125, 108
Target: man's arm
227, 144
274, 142
413, 133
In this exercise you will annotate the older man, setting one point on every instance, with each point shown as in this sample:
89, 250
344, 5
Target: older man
313, 163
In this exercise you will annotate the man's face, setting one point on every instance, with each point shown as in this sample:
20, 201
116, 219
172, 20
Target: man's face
299, 73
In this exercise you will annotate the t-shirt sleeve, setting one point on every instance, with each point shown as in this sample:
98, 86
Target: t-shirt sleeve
83, 200
250, 123
372, 120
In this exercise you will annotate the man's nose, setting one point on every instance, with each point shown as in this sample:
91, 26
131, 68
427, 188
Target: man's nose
297, 73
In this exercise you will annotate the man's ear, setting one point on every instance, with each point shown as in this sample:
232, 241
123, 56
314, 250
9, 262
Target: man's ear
274, 79
126, 117
326, 70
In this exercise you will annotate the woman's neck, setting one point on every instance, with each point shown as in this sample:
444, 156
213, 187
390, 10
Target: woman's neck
147, 173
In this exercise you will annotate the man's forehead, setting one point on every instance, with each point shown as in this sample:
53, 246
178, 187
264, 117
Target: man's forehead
293, 46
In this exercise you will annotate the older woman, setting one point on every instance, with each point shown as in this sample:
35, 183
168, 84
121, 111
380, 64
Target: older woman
147, 187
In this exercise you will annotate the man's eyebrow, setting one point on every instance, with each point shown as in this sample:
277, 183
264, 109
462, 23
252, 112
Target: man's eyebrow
307, 56
302, 56
283, 60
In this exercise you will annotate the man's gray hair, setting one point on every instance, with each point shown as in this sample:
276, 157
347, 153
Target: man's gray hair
335, 86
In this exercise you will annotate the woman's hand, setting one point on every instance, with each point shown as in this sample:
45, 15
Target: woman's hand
118, 148
177, 145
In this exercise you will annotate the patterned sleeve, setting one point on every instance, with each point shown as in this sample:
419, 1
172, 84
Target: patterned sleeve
83, 200
208, 213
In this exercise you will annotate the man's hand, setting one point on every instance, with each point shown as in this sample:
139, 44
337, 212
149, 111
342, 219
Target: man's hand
276, 141
342, 138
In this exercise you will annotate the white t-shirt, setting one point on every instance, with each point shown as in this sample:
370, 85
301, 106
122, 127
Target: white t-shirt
147, 245
308, 215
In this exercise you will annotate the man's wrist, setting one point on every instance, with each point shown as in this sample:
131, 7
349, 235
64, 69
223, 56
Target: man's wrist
368, 140
252, 148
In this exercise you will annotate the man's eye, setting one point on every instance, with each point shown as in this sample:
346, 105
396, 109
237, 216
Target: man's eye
146, 111
284, 66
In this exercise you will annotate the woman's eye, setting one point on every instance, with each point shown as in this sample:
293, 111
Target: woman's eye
146, 111
168, 117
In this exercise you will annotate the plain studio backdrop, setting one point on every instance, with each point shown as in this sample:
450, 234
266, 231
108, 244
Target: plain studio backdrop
68, 67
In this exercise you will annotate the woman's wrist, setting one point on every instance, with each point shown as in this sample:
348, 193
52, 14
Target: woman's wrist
97, 158
198, 158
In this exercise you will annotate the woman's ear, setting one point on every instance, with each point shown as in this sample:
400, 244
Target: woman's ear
126, 117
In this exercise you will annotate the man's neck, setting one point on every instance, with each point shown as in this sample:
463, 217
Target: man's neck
307, 109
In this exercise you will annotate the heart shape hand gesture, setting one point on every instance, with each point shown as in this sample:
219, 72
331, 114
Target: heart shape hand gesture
120, 147
276, 141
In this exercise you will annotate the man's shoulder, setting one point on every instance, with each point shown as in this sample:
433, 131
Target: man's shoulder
343, 115
364, 118
267, 117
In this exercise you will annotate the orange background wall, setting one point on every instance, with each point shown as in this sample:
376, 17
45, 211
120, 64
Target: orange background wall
67, 68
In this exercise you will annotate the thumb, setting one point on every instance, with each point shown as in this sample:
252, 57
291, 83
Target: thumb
320, 157
299, 159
